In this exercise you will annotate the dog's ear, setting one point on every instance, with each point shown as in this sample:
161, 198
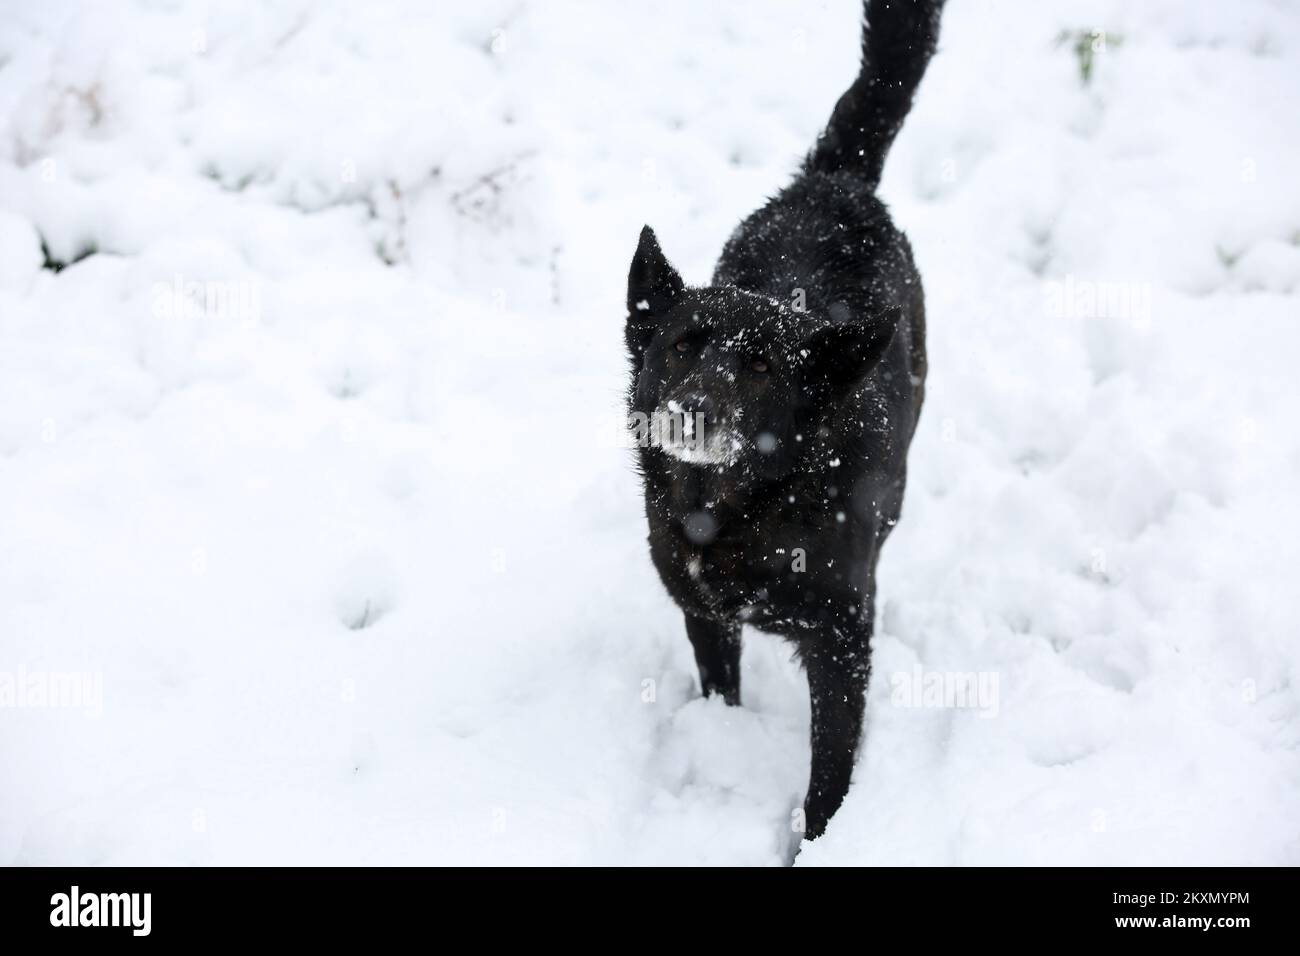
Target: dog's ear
840, 355
653, 285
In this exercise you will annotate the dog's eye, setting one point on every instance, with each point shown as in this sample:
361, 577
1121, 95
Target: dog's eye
682, 345
758, 365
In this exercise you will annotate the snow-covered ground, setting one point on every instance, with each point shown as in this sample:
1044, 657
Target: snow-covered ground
312, 468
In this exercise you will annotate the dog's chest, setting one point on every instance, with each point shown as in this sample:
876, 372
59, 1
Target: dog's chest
775, 562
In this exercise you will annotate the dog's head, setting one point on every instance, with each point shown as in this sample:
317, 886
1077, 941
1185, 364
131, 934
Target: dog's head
733, 379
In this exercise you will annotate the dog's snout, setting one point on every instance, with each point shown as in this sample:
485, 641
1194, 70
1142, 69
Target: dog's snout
700, 404
694, 428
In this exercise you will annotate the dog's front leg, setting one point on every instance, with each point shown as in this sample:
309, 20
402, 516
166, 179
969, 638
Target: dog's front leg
717, 654
838, 666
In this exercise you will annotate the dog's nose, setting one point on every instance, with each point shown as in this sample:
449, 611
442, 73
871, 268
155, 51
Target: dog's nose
697, 403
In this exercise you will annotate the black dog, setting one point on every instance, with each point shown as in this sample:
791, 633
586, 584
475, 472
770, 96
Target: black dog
792, 386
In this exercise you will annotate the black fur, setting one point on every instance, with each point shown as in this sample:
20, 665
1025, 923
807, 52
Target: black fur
801, 368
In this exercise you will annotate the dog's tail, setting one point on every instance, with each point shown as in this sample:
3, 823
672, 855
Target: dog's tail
898, 39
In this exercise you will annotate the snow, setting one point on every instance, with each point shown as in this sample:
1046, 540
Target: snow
288, 465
